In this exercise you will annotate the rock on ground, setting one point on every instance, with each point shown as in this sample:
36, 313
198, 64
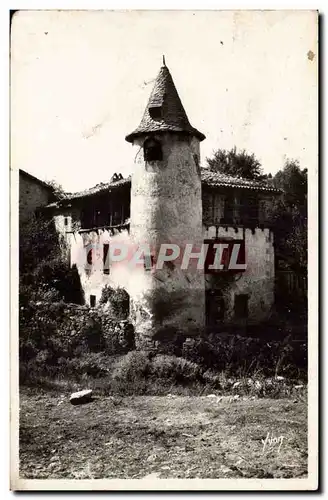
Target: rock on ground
81, 397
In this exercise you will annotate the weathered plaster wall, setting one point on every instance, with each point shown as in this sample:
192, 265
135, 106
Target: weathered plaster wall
164, 297
66, 220
61, 227
72, 214
32, 196
166, 207
258, 279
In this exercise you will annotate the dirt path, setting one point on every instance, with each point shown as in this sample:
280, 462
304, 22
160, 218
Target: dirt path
176, 437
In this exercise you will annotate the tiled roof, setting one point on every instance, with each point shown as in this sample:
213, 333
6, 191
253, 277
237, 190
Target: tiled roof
164, 111
210, 179
216, 179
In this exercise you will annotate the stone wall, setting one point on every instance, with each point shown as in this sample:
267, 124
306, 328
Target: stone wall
75, 328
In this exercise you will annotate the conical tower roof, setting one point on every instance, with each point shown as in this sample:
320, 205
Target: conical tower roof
164, 111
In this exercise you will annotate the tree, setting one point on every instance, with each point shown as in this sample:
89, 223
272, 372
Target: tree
44, 272
38, 241
58, 190
237, 164
293, 182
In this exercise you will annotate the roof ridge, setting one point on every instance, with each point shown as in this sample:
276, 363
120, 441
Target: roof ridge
100, 185
213, 179
217, 178
36, 179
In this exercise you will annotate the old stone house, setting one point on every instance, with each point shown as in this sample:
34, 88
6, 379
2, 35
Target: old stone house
170, 198
33, 195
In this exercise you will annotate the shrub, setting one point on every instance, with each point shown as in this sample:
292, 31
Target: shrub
242, 356
140, 372
96, 365
45, 273
135, 364
174, 369
119, 337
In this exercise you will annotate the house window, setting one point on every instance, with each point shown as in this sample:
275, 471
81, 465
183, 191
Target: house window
149, 262
229, 204
152, 150
106, 258
92, 300
117, 216
87, 218
254, 209
97, 218
241, 306
249, 208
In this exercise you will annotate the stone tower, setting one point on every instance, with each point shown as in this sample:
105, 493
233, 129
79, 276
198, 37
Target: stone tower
166, 208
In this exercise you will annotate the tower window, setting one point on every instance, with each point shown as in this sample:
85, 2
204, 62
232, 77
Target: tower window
196, 160
155, 112
152, 150
66, 221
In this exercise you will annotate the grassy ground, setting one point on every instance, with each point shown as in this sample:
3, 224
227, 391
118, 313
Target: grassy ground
161, 436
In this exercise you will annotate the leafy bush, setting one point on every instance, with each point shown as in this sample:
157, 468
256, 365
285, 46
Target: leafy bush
118, 339
140, 372
44, 270
92, 336
118, 300
135, 364
96, 365
243, 356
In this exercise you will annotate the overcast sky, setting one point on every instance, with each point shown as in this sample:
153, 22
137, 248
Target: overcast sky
81, 80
